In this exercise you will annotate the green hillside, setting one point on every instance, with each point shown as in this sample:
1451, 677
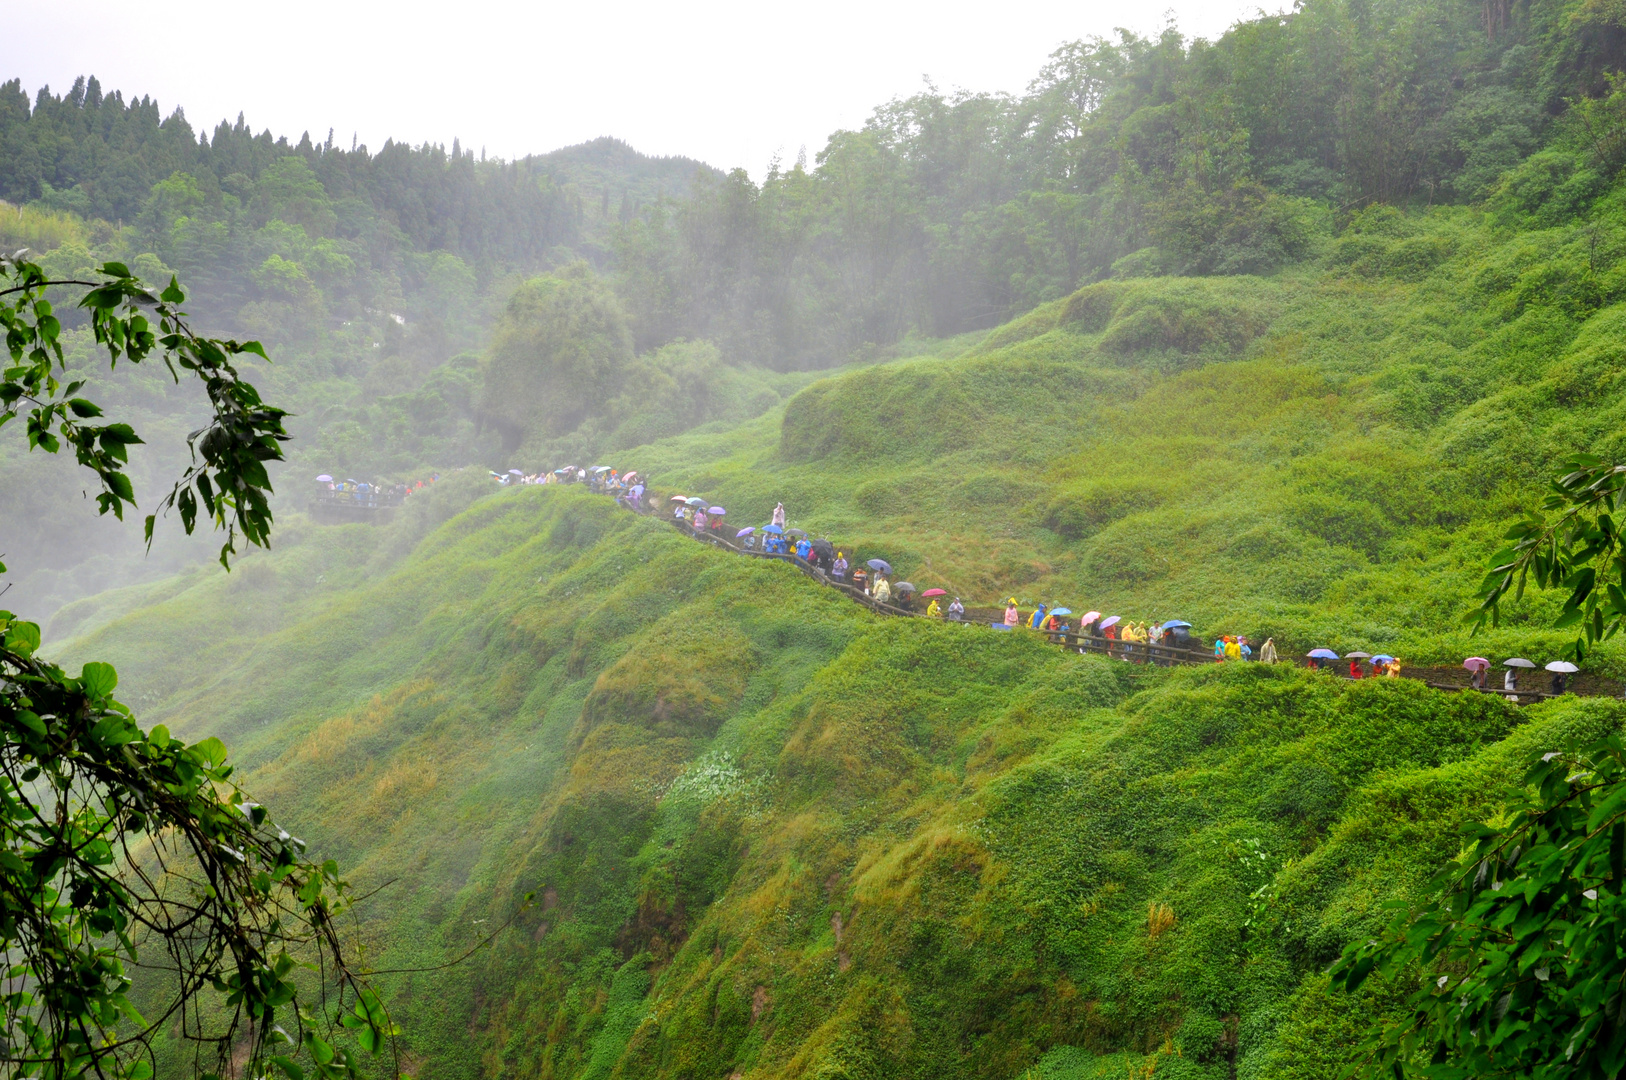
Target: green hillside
1274, 333
1327, 456
771, 834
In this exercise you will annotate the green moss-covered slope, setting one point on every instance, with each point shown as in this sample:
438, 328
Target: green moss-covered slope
771, 835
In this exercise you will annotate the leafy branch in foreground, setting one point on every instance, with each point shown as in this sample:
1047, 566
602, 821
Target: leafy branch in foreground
227, 475
124, 852
116, 844
1574, 542
1518, 951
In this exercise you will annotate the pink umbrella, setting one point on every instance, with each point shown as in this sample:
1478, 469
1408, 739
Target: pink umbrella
1476, 663
1110, 621
1090, 616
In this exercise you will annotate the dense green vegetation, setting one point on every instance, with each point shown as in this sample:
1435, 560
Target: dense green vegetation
952, 212
769, 832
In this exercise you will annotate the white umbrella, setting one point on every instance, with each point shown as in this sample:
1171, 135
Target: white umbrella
1563, 666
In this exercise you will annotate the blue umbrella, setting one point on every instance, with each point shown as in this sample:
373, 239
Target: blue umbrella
1380, 658
1173, 623
999, 626
773, 529
695, 500
747, 531
1323, 654
880, 564
1061, 611
601, 468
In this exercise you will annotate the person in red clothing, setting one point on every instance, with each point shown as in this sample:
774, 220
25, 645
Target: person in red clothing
1354, 669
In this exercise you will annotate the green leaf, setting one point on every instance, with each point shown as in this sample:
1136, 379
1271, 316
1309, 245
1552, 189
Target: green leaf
98, 679
23, 637
83, 409
212, 750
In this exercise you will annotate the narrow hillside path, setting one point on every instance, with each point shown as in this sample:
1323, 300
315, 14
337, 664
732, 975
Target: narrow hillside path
1448, 679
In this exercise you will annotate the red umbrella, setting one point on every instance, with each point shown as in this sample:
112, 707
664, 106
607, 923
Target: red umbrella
935, 592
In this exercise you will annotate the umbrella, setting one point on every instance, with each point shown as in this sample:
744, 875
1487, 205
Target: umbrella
1380, 658
677, 498
825, 548
717, 510
1174, 623
999, 626
773, 528
1109, 621
745, 532
1357, 656
1476, 663
1090, 616
880, 564
935, 592
515, 472
695, 500
1563, 667
567, 468
1518, 661
601, 468
904, 586
1323, 654
324, 479
1061, 611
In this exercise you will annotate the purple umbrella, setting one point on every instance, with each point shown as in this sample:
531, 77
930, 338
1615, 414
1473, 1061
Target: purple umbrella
717, 510
747, 531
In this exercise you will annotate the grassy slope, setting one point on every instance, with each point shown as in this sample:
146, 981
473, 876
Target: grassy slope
1327, 457
772, 835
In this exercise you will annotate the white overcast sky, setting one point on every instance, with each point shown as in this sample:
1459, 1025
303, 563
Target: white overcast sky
730, 83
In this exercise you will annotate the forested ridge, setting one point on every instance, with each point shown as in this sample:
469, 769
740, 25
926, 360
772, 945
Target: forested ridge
1274, 333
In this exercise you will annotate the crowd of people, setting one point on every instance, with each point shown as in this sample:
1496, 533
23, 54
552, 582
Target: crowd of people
1159, 642
368, 493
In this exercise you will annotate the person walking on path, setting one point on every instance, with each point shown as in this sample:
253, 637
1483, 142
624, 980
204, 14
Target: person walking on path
1037, 622
779, 515
838, 570
933, 610
883, 591
1012, 616
957, 610
1267, 651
